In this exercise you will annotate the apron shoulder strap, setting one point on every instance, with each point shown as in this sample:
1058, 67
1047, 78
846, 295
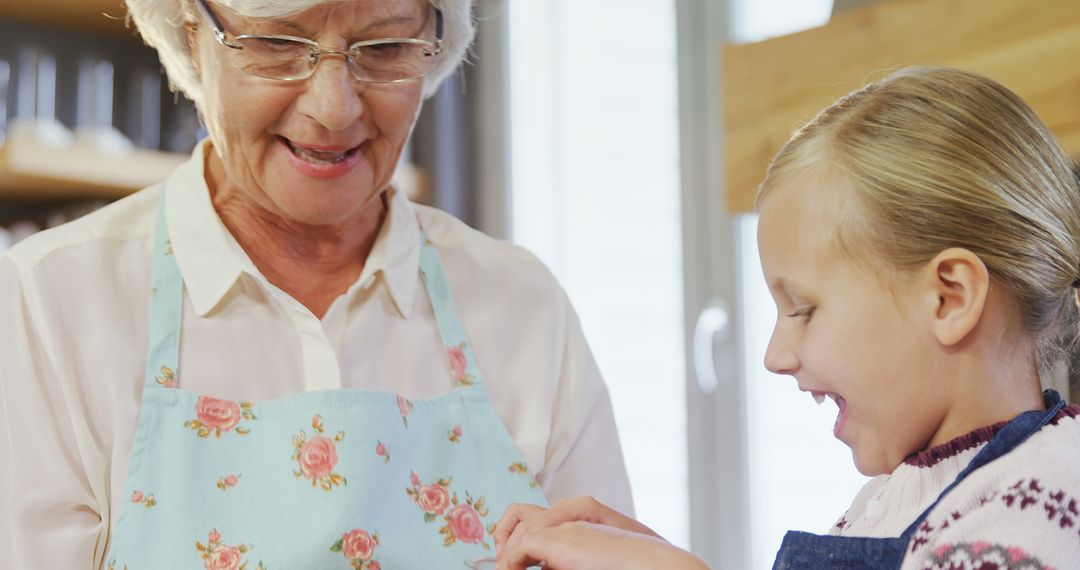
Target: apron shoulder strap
1009, 438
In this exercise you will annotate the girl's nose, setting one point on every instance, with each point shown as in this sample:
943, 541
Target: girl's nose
779, 358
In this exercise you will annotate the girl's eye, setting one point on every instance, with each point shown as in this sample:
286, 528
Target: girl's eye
804, 312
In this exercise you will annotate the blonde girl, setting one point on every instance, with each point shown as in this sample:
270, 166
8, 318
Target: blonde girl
921, 239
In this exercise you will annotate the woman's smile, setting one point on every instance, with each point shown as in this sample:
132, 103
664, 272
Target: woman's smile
320, 161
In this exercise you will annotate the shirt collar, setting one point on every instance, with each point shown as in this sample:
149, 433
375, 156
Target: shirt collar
211, 261
200, 242
396, 253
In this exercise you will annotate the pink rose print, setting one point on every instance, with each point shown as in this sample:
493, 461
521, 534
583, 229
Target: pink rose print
358, 546
224, 558
227, 482
138, 497
317, 457
219, 417
465, 524
405, 408
382, 451
218, 556
433, 499
458, 364
455, 434
222, 415
463, 519
167, 378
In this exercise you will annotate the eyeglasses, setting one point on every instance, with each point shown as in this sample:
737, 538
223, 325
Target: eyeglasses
289, 58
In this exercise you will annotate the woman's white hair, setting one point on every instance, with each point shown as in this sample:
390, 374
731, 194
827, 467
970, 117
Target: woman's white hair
162, 25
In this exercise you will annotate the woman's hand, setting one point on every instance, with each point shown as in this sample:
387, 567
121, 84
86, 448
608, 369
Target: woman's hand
583, 533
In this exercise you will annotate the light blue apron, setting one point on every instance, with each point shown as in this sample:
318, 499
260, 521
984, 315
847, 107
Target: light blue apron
317, 480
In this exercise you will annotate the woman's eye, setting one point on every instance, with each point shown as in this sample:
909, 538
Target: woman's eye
383, 51
278, 45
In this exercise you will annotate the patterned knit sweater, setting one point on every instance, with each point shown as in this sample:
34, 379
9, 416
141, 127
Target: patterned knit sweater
1021, 511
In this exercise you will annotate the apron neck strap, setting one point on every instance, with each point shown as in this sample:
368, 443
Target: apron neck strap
166, 303
1012, 435
458, 350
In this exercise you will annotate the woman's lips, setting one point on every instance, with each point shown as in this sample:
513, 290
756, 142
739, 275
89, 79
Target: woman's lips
321, 162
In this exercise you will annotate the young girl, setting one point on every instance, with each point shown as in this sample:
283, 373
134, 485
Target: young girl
921, 239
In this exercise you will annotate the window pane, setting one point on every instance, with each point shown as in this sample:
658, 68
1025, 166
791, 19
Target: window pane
594, 130
801, 477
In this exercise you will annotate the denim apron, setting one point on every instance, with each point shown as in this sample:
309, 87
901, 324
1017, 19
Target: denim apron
805, 551
317, 480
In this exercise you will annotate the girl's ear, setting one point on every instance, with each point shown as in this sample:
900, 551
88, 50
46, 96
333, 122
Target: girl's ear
960, 285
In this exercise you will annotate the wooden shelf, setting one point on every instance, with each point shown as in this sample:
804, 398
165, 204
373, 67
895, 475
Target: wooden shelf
33, 170
772, 86
101, 16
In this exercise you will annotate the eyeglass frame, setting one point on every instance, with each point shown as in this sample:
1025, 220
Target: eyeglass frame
316, 50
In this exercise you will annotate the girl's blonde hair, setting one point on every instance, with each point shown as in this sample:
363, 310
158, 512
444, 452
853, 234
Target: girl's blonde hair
939, 158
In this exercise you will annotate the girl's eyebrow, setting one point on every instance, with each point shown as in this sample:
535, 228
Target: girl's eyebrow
790, 290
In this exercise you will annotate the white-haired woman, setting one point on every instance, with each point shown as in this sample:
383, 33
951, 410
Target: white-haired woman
257, 363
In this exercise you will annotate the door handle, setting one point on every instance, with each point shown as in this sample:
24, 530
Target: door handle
713, 328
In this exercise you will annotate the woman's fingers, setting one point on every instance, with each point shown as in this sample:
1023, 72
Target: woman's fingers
510, 519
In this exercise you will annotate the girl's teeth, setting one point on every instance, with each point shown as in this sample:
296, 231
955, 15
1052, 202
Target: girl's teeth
819, 398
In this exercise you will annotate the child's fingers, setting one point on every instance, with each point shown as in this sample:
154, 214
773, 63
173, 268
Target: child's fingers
586, 509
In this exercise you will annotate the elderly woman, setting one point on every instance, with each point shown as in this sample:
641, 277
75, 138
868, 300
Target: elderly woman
273, 359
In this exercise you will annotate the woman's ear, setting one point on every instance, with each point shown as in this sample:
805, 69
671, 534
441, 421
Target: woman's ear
960, 284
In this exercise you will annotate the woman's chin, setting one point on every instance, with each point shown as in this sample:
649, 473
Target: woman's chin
320, 202
320, 213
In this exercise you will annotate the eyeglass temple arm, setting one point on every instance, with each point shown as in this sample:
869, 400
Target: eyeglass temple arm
219, 30
438, 24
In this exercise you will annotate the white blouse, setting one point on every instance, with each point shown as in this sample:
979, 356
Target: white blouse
73, 337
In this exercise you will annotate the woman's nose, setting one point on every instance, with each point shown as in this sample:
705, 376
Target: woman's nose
779, 358
333, 96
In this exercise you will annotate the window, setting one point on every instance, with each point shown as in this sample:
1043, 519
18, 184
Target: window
595, 178
800, 476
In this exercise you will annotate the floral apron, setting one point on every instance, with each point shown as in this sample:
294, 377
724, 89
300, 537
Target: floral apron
317, 480
805, 551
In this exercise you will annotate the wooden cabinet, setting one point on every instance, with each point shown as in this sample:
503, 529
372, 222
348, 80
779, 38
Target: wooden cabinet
32, 170
772, 86
98, 16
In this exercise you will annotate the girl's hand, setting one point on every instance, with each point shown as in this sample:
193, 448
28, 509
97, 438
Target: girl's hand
531, 518
582, 533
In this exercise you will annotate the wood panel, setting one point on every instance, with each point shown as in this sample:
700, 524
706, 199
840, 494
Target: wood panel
771, 87
102, 16
32, 169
